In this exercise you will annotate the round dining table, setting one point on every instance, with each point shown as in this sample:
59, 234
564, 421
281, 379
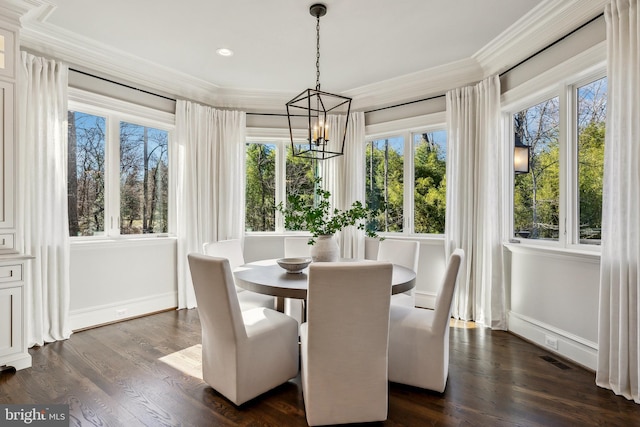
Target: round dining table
268, 278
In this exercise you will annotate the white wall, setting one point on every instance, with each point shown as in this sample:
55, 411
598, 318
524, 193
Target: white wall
554, 301
116, 279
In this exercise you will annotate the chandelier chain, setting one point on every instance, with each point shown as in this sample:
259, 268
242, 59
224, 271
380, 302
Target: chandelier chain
318, 52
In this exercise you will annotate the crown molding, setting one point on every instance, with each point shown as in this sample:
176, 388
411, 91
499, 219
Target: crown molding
11, 11
543, 25
424, 83
101, 59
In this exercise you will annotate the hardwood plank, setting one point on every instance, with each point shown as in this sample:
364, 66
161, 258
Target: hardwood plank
145, 372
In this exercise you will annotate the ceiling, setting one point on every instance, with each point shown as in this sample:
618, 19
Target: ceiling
363, 42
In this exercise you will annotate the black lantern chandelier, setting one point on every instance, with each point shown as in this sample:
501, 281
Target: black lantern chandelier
316, 105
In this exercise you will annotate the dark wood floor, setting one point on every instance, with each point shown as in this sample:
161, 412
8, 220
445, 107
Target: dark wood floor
136, 373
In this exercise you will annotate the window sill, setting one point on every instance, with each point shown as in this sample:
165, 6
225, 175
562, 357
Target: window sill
92, 242
531, 249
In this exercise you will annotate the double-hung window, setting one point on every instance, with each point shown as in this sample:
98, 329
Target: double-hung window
118, 167
560, 199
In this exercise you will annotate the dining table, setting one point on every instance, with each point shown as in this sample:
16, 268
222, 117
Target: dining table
268, 278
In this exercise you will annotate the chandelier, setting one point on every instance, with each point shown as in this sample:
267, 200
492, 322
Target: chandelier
314, 105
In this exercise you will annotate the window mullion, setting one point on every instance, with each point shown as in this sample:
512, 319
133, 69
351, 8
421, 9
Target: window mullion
112, 179
408, 173
567, 205
281, 181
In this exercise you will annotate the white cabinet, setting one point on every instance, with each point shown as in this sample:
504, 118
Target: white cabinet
13, 344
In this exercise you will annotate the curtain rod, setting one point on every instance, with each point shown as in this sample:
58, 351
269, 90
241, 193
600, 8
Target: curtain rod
552, 44
121, 84
369, 111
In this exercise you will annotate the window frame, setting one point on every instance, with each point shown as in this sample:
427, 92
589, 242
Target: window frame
115, 111
406, 129
563, 83
282, 141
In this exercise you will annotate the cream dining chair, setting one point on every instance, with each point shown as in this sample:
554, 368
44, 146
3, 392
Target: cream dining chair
419, 338
232, 250
344, 342
244, 353
405, 253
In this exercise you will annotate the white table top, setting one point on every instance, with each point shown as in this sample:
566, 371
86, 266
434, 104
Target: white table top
268, 278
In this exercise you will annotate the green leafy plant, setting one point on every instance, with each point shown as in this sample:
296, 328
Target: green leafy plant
304, 214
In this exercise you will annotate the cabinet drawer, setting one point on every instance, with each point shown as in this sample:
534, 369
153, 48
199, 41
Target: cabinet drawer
10, 273
6, 241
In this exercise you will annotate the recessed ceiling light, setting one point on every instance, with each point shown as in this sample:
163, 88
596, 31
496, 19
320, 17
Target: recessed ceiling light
223, 51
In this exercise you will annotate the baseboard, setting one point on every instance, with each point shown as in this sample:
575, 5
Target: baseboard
121, 310
425, 299
18, 361
579, 350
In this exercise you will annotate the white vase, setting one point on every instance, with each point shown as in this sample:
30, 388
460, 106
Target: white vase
325, 249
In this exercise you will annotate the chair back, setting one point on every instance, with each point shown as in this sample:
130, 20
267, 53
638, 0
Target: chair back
218, 306
297, 246
346, 349
230, 249
444, 297
401, 252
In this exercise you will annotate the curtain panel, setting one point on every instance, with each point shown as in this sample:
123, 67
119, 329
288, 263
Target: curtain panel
474, 217
42, 216
343, 177
210, 179
619, 321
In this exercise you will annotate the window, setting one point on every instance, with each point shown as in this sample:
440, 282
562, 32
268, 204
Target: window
406, 182
536, 194
430, 184
85, 187
260, 187
560, 199
144, 179
404, 178
118, 181
385, 183
266, 163
591, 112
301, 173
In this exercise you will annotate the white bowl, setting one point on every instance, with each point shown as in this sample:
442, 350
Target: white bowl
294, 265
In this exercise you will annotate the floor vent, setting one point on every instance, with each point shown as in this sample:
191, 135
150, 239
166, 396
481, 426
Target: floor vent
555, 362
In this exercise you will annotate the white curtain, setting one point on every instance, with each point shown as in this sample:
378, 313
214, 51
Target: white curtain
342, 176
210, 183
42, 220
619, 323
474, 217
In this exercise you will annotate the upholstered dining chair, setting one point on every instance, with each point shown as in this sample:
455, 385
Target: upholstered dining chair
244, 353
232, 250
405, 253
419, 338
344, 342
